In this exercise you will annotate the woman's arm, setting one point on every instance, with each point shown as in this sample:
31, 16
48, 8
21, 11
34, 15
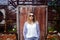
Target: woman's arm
38, 30
24, 30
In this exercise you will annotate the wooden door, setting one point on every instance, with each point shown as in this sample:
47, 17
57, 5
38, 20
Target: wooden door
40, 13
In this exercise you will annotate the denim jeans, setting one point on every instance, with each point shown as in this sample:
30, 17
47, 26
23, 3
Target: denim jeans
33, 38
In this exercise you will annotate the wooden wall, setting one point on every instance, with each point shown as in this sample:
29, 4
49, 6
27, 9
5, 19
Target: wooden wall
40, 13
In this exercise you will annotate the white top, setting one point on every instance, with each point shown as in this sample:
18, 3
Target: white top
32, 31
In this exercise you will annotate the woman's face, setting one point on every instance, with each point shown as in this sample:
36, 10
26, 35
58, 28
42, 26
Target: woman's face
31, 16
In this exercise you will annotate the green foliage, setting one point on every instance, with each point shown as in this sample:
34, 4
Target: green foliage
12, 30
53, 38
50, 29
52, 3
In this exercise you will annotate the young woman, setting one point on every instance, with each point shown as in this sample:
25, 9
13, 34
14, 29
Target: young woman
31, 30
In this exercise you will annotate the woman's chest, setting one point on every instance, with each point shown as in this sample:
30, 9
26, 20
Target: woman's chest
31, 26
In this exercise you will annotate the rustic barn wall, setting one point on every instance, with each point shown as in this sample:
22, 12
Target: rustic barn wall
40, 13
23, 18
41, 17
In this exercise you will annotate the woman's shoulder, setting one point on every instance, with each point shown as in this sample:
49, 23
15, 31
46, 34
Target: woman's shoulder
37, 22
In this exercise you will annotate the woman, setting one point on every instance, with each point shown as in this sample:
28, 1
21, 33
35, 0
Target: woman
31, 29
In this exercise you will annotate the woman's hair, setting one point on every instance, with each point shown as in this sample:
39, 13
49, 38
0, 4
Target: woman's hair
34, 17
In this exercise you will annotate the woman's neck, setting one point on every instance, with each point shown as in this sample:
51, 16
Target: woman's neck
30, 21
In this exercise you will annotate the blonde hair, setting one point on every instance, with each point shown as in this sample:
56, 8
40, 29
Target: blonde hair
34, 18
